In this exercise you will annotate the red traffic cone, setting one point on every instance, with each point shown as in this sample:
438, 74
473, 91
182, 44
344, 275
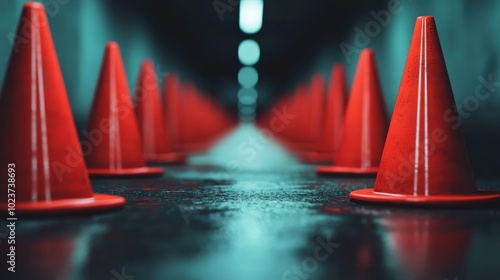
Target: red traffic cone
192, 113
365, 124
120, 152
150, 117
425, 159
317, 95
171, 107
186, 119
300, 139
337, 99
333, 117
315, 122
39, 144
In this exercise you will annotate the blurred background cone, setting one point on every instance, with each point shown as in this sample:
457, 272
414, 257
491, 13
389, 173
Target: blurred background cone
333, 117
120, 152
171, 109
365, 125
151, 119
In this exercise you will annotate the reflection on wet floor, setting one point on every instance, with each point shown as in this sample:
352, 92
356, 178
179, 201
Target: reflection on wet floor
270, 218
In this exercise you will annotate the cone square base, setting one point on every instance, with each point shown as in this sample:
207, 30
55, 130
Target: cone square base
99, 202
315, 157
126, 172
167, 158
346, 170
298, 146
369, 195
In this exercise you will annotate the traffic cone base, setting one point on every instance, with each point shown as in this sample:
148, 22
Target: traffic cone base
167, 158
333, 170
315, 157
99, 202
369, 195
195, 148
126, 172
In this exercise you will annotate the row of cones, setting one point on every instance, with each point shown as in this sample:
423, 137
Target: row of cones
419, 159
40, 143
155, 124
424, 159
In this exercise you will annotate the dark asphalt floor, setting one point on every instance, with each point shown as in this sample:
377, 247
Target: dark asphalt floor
235, 214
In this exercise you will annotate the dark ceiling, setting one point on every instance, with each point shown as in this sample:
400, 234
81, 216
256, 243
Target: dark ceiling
292, 31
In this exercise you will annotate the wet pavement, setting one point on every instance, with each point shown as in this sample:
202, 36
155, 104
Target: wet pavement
248, 210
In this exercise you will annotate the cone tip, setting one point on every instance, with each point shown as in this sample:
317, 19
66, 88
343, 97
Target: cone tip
425, 17
112, 45
112, 50
171, 76
34, 5
367, 57
167, 76
366, 52
147, 63
338, 66
318, 77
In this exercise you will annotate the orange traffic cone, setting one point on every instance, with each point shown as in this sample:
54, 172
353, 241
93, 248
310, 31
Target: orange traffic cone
150, 117
425, 159
365, 124
39, 147
120, 152
317, 95
171, 108
315, 121
333, 117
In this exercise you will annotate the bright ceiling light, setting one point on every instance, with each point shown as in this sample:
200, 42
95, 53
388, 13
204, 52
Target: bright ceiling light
249, 52
251, 12
248, 77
